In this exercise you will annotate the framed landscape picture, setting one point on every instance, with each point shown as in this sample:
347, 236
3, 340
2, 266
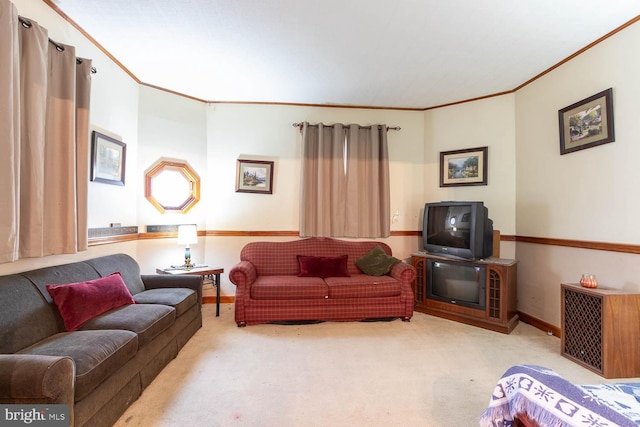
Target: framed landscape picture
254, 176
108, 156
463, 167
587, 123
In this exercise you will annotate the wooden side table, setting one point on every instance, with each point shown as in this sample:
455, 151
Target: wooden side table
205, 272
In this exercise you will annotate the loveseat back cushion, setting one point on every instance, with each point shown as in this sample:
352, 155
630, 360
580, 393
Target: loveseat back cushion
123, 264
288, 288
323, 266
26, 317
96, 354
280, 258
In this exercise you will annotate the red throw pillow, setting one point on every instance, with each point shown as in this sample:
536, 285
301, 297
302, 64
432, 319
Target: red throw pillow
82, 301
323, 266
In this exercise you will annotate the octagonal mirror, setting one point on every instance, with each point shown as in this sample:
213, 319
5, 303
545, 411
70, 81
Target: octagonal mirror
172, 186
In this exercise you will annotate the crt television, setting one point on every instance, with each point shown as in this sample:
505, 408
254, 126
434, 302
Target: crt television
458, 230
459, 283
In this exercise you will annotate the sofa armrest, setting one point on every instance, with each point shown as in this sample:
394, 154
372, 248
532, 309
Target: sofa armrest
243, 274
403, 272
158, 281
28, 378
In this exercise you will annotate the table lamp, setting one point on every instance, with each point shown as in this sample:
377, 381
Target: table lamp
187, 234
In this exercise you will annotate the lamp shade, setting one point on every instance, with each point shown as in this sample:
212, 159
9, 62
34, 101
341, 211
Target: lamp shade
187, 234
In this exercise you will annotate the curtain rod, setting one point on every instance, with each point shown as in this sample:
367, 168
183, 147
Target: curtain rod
59, 47
299, 125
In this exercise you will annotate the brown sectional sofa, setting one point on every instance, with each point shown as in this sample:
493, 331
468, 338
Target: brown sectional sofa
101, 368
269, 289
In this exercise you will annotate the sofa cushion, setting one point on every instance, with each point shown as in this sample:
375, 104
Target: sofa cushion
363, 286
96, 354
26, 317
182, 299
127, 266
146, 320
323, 266
288, 287
81, 301
376, 262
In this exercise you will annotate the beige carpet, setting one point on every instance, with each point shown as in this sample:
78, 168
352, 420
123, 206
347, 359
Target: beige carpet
427, 372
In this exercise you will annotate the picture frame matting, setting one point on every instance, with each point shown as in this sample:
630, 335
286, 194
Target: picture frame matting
587, 123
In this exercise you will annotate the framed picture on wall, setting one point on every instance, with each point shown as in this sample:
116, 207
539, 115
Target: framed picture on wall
463, 167
587, 123
108, 156
254, 176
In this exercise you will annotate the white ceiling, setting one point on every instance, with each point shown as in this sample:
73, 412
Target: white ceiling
377, 53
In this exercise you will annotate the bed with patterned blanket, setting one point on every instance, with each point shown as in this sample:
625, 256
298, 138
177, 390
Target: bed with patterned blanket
532, 396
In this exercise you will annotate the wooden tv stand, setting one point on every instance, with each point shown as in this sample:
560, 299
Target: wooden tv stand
500, 313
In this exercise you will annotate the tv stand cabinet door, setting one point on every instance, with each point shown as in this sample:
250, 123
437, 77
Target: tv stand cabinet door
501, 292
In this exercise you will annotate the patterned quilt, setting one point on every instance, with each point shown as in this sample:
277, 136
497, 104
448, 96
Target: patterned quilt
550, 400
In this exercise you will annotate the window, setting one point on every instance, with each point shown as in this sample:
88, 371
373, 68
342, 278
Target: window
172, 186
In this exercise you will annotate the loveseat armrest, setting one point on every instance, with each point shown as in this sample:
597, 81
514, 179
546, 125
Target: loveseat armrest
403, 272
28, 378
243, 274
158, 281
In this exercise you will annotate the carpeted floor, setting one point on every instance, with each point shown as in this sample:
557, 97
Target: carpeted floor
427, 372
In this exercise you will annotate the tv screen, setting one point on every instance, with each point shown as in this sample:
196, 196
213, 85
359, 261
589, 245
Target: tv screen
458, 229
457, 283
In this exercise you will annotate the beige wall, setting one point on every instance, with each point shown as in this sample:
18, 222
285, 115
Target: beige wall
531, 191
259, 132
266, 132
489, 122
586, 195
170, 127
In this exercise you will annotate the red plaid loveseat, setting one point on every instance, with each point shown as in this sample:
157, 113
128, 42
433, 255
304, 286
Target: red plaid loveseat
268, 288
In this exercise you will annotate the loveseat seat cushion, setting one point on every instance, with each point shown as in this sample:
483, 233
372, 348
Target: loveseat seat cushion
363, 286
96, 354
146, 320
181, 299
288, 288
